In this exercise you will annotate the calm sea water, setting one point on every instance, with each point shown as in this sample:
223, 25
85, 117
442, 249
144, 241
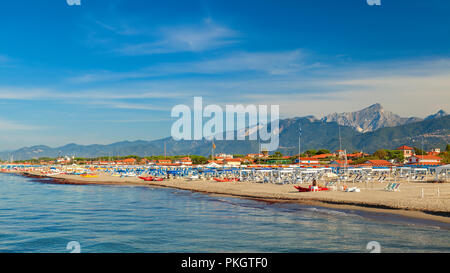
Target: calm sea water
40, 217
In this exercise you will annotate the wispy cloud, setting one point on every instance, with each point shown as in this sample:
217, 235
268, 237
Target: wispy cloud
17, 93
275, 63
3, 59
417, 90
135, 120
7, 125
183, 39
130, 106
408, 88
272, 63
110, 76
119, 29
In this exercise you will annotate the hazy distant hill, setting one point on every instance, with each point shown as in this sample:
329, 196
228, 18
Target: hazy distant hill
434, 131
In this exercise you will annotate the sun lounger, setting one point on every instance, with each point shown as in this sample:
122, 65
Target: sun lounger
393, 187
353, 189
388, 187
396, 187
332, 185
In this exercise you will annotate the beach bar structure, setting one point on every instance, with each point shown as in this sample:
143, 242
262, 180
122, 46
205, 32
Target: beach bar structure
442, 173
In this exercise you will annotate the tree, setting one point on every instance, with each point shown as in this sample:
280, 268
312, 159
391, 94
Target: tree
323, 151
418, 151
396, 155
445, 157
447, 149
277, 154
311, 152
381, 154
196, 159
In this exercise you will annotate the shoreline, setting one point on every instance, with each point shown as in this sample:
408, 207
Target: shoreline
224, 189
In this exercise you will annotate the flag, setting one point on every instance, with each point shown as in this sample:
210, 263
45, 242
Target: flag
214, 146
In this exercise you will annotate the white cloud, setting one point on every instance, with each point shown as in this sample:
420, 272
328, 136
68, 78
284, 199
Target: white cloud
6, 125
15, 93
5, 60
272, 63
404, 95
109, 76
183, 39
131, 106
120, 29
408, 88
275, 63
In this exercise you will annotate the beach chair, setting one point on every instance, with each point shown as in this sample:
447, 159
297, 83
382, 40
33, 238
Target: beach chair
393, 187
396, 187
353, 189
193, 177
388, 187
332, 185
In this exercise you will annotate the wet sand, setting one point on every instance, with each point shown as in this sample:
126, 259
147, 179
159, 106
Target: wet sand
372, 198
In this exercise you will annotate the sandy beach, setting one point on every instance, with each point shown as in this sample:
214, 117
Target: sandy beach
407, 202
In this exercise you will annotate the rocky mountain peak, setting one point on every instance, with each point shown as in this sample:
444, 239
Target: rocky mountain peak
369, 119
441, 113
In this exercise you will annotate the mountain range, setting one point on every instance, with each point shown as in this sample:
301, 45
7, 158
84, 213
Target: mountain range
366, 130
372, 118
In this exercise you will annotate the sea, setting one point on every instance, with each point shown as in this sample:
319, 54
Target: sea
37, 216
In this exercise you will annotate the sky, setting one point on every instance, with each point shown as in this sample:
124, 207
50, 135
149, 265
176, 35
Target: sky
107, 71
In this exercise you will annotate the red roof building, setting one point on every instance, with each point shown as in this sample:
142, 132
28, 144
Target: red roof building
164, 162
307, 160
424, 159
357, 155
130, 160
233, 161
407, 151
378, 162
255, 155
341, 162
323, 156
185, 161
435, 151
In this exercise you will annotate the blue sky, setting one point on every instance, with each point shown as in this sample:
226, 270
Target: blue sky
112, 70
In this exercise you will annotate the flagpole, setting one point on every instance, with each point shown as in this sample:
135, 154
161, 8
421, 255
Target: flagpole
299, 141
212, 150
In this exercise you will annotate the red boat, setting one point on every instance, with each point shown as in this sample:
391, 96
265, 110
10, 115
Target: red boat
310, 188
151, 178
226, 179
